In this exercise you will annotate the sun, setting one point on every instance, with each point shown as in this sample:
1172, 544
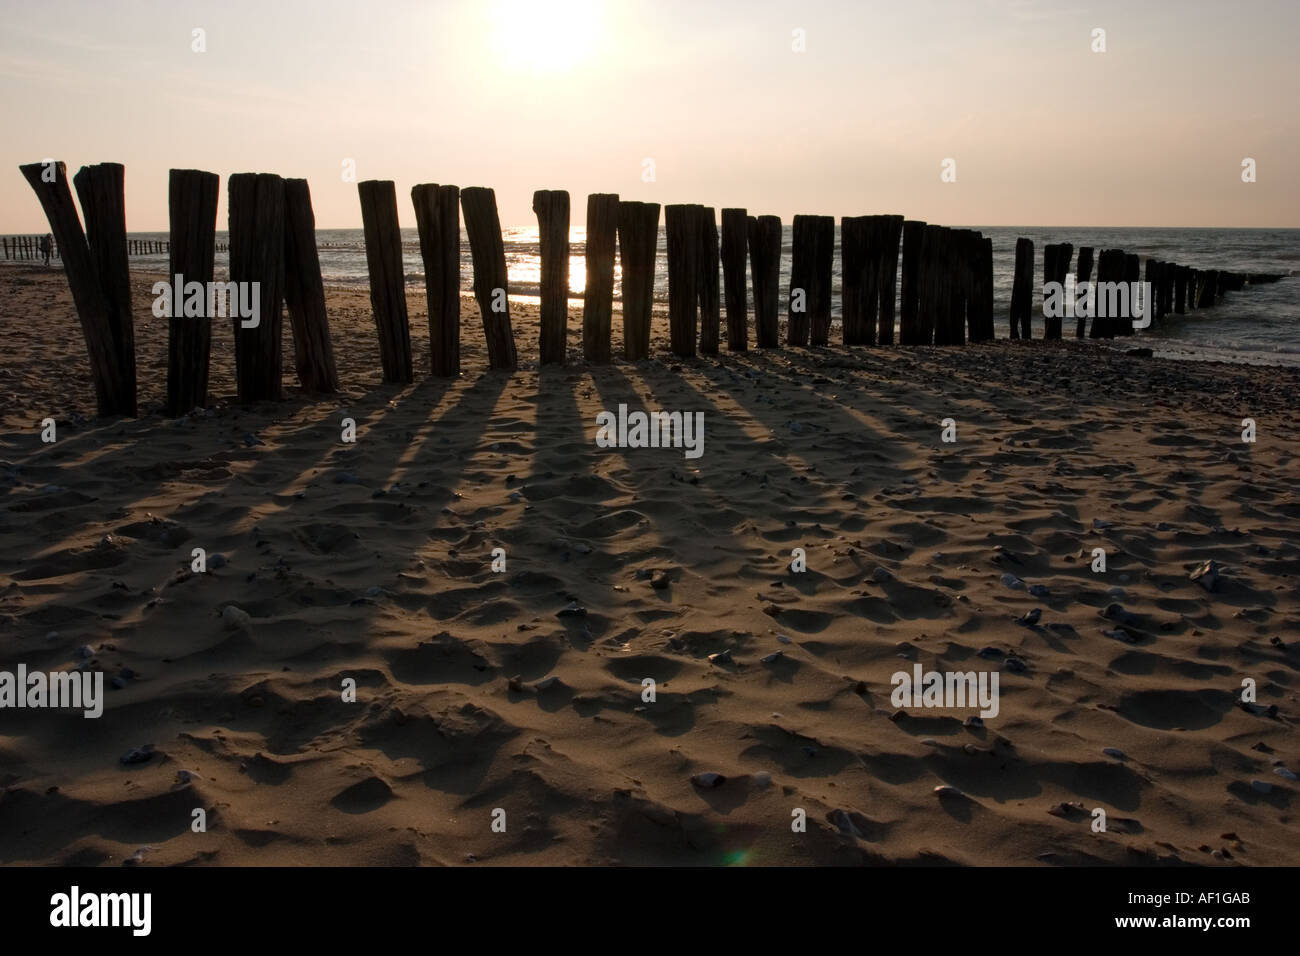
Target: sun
545, 36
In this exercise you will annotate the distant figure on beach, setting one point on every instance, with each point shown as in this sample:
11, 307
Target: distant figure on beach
46, 246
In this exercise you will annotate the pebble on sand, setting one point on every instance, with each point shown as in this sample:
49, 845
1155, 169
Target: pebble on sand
1011, 581
572, 609
708, 780
1207, 576
946, 791
1113, 752
1284, 773
142, 754
1261, 786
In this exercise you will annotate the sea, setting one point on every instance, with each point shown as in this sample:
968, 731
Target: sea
1258, 325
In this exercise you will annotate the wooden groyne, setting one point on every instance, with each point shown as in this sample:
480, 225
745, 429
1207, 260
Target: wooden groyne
902, 280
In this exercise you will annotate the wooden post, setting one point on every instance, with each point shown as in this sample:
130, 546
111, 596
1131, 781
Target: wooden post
1152, 304
101, 190
681, 225
802, 252
1022, 290
1056, 264
735, 291
710, 313
437, 217
823, 267
1211, 290
192, 211
387, 277
853, 265
765, 269
950, 328
868, 310
93, 309
909, 332
552, 209
598, 299
491, 286
256, 207
638, 238
891, 231
304, 293
1082, 274
1110, 268
980, 308
1180, 289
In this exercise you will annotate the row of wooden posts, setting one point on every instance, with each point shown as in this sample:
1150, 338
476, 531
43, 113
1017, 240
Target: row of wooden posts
26, 247
1175, 289
945, 297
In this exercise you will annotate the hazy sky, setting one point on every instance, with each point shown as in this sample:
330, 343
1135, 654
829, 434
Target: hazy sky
577, 94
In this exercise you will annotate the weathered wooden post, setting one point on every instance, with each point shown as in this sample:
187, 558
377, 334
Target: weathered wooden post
891, 232
304, 293
1022, 290
192, 205
112, 397
598, 297
1180, 289
1082, 275
387, 277
823, 268
1056, 265
256, 208
638, 237
765, 266
681, 223
491, 284
102, 191
909, 332
853, 265
552, 209
980, 308
802, 252
735, 292
710, 312
437, 218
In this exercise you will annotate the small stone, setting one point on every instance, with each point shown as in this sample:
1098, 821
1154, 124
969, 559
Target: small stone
136, 858
659, 579
947, 791
973, 721
1011, 581
1016, 665
721, 657
989, 652
1116, 613
773, 657
546, 683
1119, 635
1207, 576
1031, 618
138, 754
250, 439
881, 575
783, 639
1099, 524
1284, 773
216, 562
187, 776
85, 651
1113, 752
1039, 590
572, 609
1261, 786
761, 780
516, 684
708, 780
236, 617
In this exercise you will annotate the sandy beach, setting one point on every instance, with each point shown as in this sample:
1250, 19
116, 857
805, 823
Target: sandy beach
474, 692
